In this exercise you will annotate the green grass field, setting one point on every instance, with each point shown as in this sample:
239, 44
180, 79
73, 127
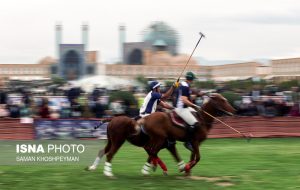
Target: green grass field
226, 164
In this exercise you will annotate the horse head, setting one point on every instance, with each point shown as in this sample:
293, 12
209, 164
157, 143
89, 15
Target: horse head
218, 105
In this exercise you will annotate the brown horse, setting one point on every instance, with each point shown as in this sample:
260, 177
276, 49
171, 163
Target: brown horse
159, 128
122, 128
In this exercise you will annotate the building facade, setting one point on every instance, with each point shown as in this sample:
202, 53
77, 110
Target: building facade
158, 65
39, 71
72, 63
237, 71
286, 69
155, 57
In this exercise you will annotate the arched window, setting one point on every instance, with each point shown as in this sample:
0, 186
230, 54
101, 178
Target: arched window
71, 65
136, 57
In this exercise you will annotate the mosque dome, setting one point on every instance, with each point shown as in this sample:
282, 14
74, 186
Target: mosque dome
161, 34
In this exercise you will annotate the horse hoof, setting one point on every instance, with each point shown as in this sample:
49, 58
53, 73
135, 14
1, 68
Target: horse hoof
165, 173
145, 172
108, 174
187, 174
90, 168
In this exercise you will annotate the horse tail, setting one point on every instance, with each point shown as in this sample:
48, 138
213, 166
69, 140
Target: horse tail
108, 145
105, 150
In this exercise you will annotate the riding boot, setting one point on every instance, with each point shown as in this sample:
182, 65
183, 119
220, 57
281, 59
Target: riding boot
189, 134
190, 130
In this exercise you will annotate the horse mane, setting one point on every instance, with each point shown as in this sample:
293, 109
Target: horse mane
216, 95
210, 120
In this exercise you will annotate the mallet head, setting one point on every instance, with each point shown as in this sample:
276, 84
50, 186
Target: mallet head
248, 137
201, 34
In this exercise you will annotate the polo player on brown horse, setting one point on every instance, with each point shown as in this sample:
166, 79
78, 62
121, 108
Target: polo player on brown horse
160, 127
153, 98
157, 128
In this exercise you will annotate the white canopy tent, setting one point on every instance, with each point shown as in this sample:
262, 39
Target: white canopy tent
102, 81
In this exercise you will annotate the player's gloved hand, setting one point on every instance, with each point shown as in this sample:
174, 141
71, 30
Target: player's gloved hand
197, 108
176, 84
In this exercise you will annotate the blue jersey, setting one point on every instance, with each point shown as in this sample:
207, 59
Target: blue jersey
184, 90
150, 103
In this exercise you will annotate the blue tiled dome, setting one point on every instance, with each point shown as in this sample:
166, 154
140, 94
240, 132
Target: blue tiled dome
159, 33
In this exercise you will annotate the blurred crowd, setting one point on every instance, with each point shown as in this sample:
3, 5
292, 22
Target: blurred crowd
74, 103
276, 104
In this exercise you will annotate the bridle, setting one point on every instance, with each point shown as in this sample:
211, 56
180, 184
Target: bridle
248, 136
218, 107
215, 105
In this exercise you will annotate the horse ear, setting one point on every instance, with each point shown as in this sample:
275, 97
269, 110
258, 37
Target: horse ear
212, 95
217, 96
206, 100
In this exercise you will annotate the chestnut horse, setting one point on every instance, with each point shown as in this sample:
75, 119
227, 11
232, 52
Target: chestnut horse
159, 128
122, 128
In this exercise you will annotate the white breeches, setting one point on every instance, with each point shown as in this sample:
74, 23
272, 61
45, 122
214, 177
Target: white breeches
186, 115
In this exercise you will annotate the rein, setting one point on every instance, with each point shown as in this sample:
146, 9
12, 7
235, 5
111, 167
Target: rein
242, 134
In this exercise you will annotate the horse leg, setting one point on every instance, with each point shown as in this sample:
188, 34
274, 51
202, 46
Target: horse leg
180, 163
195, 158
152, 148
101, 153
152, 162
192, 157
162, 165
147, 166
109, 156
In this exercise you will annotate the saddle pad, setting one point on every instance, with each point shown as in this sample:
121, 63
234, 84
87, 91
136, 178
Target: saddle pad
177, 120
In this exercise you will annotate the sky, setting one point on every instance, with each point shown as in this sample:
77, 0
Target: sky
235, 29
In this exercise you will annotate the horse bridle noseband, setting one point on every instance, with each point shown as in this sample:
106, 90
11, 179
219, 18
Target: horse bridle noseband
219, 108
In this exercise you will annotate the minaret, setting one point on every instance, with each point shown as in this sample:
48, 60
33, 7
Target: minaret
85, 33
122, 38
58, 38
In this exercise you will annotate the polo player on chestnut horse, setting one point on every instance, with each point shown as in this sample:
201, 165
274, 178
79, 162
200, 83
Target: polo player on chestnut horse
153, 98
160, 127
153, 131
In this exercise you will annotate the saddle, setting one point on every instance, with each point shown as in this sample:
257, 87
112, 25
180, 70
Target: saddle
177, 120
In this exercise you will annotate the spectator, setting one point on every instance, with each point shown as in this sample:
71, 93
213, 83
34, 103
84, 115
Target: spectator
270, 108
117, 107
3, 111
25, 111
76, 109
65, 111
14, 110
3, 97
98, 109
44, 109
295, 111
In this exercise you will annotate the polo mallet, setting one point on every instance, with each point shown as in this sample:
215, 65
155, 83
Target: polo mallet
248, 137
101, 122
201, 36
98, 125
